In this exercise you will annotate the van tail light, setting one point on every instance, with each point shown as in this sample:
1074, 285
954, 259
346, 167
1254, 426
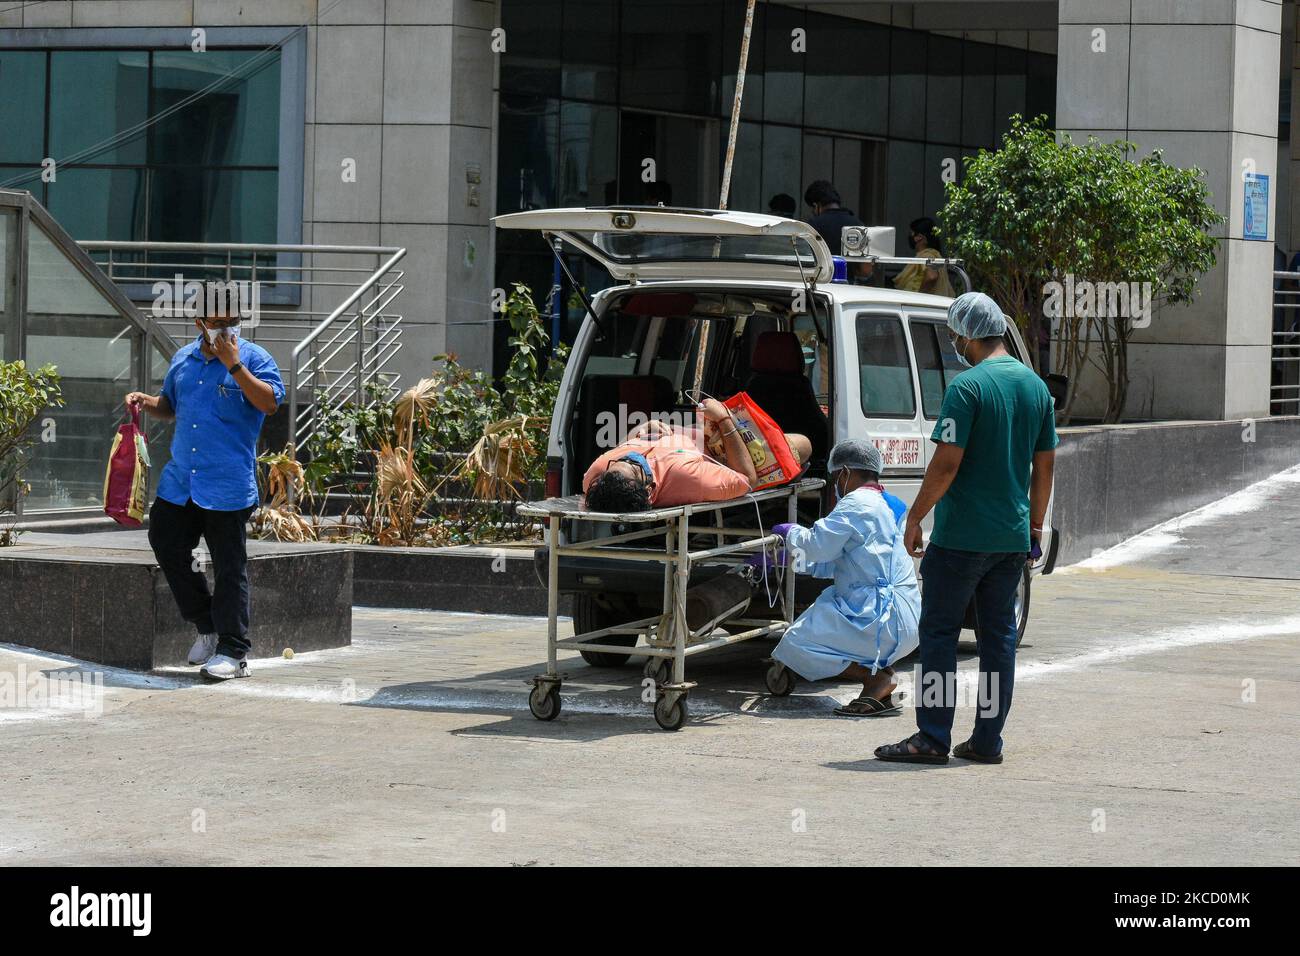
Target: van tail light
554, 479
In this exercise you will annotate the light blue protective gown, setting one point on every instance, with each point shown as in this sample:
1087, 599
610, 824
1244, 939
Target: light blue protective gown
869, 615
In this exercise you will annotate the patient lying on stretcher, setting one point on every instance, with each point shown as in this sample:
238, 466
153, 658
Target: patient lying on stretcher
660, 466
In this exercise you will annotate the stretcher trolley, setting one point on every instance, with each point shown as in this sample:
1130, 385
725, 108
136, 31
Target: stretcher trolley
735, 534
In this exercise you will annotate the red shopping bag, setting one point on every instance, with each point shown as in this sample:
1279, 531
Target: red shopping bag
774, 463
126, 482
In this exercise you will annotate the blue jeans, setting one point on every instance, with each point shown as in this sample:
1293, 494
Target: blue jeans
951, 578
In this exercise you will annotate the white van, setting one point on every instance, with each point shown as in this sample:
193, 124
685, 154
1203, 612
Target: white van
828, 359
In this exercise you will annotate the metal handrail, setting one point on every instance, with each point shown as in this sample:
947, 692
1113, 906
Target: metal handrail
343, 308
362, 322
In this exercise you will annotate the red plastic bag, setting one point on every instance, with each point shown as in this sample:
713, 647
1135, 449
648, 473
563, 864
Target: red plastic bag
126, 481
774, 463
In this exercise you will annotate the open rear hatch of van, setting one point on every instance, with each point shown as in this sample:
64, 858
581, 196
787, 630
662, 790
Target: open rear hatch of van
653, 242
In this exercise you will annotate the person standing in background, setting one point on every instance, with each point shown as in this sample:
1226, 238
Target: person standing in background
828, 217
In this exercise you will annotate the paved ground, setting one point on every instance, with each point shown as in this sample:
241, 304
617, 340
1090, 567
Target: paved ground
1156, 721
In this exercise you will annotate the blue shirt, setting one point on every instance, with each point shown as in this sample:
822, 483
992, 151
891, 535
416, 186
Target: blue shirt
214, 448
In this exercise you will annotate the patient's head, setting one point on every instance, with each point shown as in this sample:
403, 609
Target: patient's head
621, 489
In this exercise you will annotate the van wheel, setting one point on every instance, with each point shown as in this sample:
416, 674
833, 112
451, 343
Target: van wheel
589, 616
1022, 605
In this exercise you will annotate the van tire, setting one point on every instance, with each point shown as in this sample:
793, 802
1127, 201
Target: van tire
1022, 595
589, 615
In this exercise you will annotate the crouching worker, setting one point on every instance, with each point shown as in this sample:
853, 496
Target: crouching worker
864, 622
660, 466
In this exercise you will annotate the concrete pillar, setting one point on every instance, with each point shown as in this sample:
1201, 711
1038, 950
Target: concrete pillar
1197, 79
405, 87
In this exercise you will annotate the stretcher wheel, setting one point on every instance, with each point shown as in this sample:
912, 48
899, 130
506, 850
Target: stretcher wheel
544, 701
659, 669
780, 680
670, 711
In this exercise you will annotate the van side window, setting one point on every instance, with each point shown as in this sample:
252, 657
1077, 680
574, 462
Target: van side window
936, 363
886, 371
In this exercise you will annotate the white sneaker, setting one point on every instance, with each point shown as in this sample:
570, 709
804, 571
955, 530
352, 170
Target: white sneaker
221, 667
205, 645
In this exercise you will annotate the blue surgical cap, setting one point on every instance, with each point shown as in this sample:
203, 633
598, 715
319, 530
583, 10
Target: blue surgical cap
973, 315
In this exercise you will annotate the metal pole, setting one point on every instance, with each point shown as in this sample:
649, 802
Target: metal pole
735, 104
727, 164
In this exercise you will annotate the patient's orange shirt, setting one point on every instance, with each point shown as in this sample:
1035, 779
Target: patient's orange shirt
682, 472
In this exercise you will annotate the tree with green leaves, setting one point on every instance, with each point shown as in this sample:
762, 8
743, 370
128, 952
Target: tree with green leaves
1043, 214
24, 395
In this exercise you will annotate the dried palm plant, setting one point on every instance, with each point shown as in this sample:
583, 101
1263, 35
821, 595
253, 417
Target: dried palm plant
496, 464
416, 403
399, 498
280, 517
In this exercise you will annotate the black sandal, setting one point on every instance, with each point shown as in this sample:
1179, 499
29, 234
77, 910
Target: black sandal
864, 706
915, 749
966, 752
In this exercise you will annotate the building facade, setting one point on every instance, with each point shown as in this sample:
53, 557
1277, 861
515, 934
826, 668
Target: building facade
411, 122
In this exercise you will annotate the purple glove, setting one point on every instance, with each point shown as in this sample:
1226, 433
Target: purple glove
783, 528
759, 561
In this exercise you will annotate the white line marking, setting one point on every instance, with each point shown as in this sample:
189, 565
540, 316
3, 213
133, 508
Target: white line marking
1167, 534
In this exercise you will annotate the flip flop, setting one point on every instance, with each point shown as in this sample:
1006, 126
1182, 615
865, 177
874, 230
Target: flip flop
864, 706
966, 752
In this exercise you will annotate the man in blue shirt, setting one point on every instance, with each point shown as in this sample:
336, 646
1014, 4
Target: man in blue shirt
219, 389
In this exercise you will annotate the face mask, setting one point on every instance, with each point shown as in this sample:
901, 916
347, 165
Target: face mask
839, 493
961, 356
214, 334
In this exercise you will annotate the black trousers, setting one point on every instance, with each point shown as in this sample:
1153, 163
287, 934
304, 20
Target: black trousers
174, 532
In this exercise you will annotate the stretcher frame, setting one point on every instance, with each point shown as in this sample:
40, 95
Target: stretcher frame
668, 639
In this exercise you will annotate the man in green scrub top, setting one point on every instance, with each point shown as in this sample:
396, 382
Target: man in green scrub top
988, 483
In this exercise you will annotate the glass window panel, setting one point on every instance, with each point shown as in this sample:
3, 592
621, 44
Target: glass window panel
672, 55
99, 203
848, 173
685, 152
907, 56
526, 152
96, 95
8, 238
590, 49
847, 70
932, 171
531, 61
213, 205
818, 163
1010, 98
1040, 97
905, 192
746, 171
94, 358
979, 82
885, 368
943, 90
231, 115
55, 285
782, 152
783, 68
588, 154
22, 106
